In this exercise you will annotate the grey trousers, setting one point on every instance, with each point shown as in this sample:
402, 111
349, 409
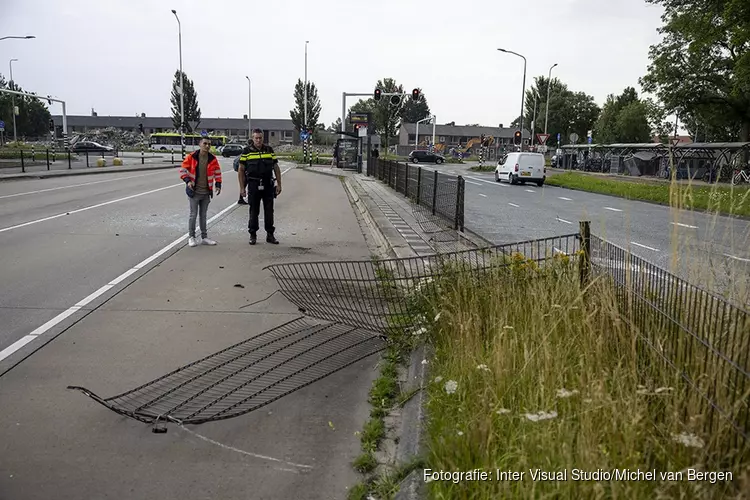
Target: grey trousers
198, 204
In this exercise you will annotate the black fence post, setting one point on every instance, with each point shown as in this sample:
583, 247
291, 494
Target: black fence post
459, 216
406, 183
47, 159
173, 157
70, 166
585, 261
87, 159
23, 166
398, 174
419, 185
143, 158
434, 191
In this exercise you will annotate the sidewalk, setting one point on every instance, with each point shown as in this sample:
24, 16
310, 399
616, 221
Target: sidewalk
58, 443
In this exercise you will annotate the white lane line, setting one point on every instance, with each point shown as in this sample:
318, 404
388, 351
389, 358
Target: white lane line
612, 209
684, 225
514, 205
644, 246
563, 220
494, 183
93, 206
483, 195
530, 191
564, 198
79, 185
736, 258
77, 307
472, 182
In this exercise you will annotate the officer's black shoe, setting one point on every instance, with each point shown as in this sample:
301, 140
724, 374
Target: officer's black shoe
271, 239
253, 239
241, 201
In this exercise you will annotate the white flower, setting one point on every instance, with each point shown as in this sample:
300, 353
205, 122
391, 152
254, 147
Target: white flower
574, 307
424, 361
422, 282
503, 411
690, 440
420, 331
508, 327
588, 400
536, 417
460, 433
564, 393
451, 386
483, 367
663, 389
556, 306
437, 316
438, 379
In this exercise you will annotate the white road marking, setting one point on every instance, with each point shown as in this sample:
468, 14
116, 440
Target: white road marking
612, 209
564, 198
644, 246
472, 182
483, 195
44, 219
83, 302
736, 258
563, 220
79, 185
514, 205
684, 225
530, 191
494, 183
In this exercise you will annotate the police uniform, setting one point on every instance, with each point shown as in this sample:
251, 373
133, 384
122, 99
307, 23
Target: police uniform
259, 166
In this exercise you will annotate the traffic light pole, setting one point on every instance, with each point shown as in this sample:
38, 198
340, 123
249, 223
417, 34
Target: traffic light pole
49, 99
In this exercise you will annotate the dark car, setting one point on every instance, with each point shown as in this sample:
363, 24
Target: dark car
91, 146
232, 150
425, 156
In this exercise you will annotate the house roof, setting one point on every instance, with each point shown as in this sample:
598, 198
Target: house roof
462, 130
166, 122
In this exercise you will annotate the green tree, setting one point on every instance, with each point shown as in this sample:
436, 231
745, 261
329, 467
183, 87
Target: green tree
33, 116
701, 68
192, 111
415, 110
313, 106
623, 119
335, 125
387, 116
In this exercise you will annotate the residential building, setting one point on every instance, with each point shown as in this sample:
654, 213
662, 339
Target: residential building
451, 136
276, 131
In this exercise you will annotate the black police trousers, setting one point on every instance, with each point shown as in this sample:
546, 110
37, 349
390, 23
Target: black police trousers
254, 197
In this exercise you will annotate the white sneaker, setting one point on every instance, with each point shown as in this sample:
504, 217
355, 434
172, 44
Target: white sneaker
192, 242
206, 241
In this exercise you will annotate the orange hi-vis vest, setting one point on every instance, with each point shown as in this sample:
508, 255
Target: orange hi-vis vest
189, 171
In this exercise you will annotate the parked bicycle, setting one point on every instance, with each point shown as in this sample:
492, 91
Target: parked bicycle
741, 176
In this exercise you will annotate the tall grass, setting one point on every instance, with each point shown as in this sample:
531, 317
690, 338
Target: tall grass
532, 372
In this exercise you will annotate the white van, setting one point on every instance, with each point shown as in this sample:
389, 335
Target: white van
521, 167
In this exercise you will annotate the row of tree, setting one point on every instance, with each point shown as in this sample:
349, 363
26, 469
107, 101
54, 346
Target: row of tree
33, 116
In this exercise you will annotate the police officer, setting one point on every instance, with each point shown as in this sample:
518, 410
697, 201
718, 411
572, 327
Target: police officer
258, 164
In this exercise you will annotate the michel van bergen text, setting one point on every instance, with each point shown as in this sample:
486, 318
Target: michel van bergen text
577, 475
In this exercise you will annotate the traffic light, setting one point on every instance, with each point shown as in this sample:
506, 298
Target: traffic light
51, 124
378, 93
517, 138
415, 94
395, 100
140, 127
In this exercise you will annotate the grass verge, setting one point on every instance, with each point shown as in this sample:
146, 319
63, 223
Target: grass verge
729, 200
483, 168
533, 374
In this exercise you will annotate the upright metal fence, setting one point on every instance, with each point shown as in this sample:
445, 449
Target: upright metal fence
434, 193
701, 336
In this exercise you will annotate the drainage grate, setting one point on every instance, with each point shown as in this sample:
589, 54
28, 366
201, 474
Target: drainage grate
247, 375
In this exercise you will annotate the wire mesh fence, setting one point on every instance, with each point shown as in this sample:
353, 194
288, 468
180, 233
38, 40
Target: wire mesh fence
438, 198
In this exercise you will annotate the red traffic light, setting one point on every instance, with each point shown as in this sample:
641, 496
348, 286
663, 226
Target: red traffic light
378, 93
517, 138
415, 94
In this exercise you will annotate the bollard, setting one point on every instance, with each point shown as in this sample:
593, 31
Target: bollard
23, 167
69, 160
419, 185
173, 156
87, 159
143, 159
434, 191
54, 155
48, 159
33, 154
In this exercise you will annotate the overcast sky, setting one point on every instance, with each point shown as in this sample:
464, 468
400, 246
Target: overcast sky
119, 56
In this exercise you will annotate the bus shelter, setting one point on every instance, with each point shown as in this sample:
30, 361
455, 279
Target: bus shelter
586, 157
710, 161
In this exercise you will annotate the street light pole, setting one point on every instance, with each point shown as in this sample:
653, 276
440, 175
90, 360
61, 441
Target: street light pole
27, 37
549, 85
13, 101
182, 88
249, 108
306, 42
523, 87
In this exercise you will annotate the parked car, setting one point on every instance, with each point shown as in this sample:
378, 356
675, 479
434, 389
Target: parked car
91, 146
425, 156
521, 167
232, 150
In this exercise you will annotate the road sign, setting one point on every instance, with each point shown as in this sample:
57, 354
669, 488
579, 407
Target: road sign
204, 133
303, 136
2, 124
558, 137
573, 137
541, 148
675, 141
589, 139
542, 138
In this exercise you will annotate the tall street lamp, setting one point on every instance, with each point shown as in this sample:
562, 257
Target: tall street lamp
182, 88
249, 109
549, 85
27, 37
523, 87
305, 124
13, 100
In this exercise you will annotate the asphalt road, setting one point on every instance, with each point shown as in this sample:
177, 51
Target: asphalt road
62, 238
709, 250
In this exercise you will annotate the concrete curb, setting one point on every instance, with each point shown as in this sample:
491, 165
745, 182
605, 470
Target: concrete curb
88, 171
376, 232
